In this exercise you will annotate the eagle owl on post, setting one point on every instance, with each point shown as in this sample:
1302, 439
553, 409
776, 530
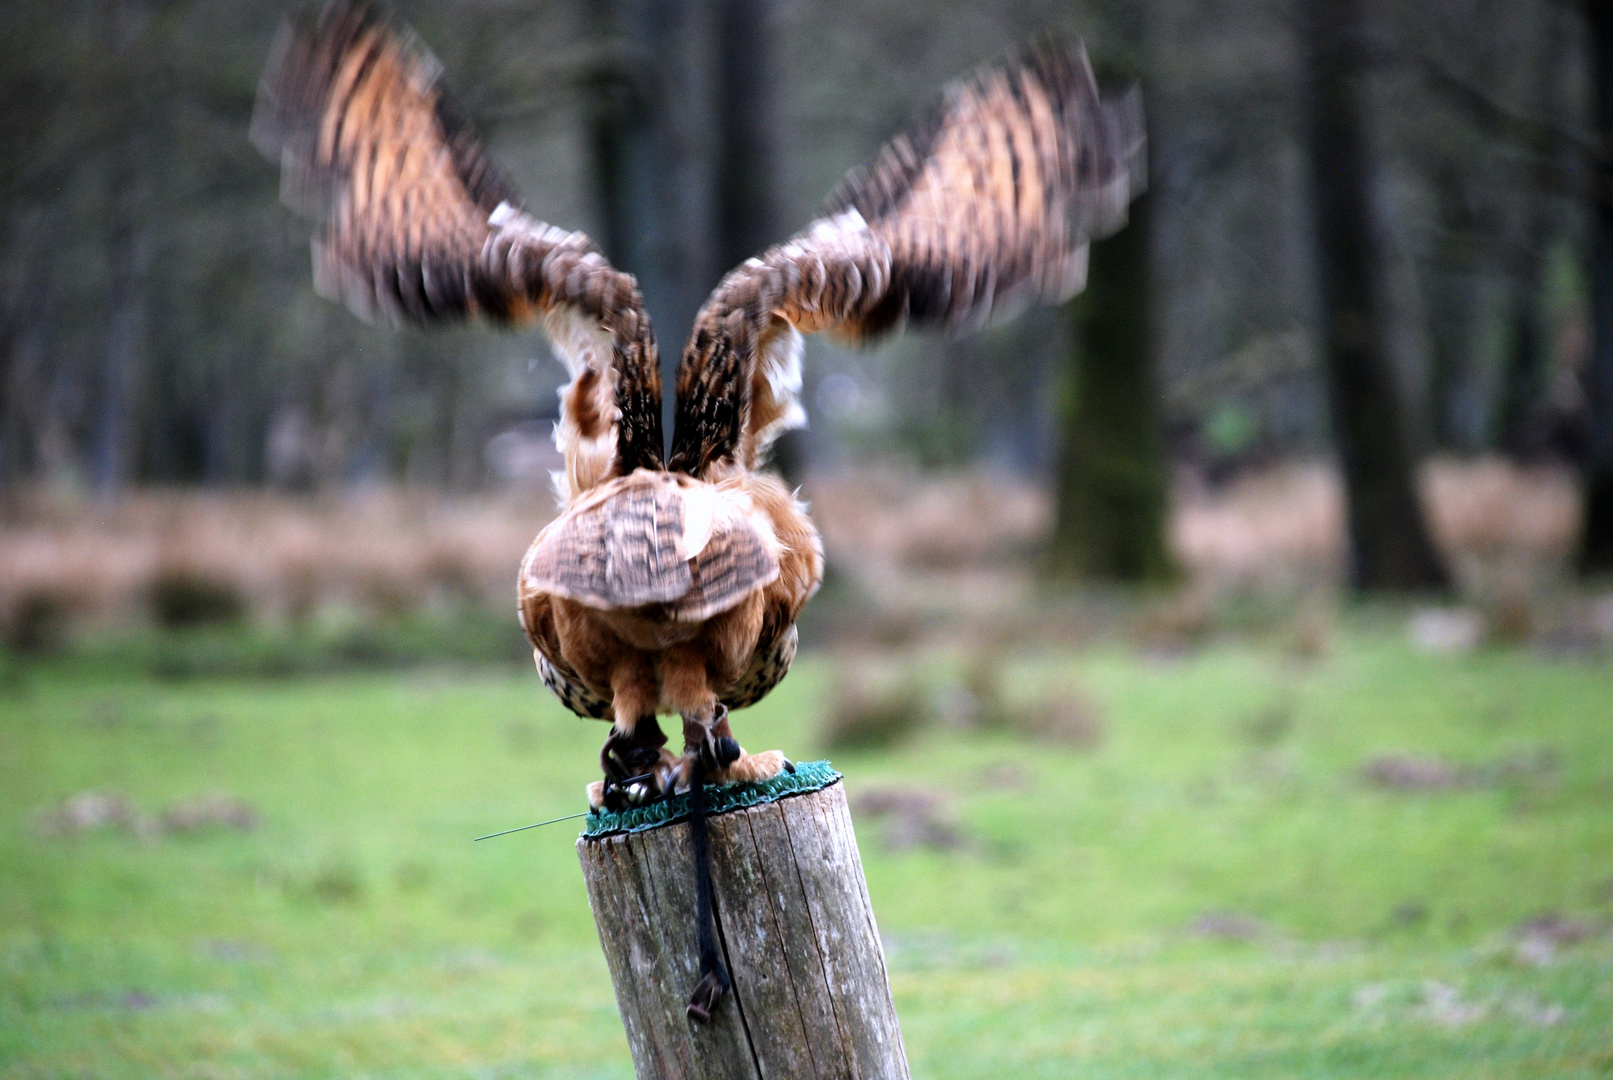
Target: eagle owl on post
670, 582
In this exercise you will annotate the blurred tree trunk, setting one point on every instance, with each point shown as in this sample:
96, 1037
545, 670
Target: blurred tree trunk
129, 243
1596, 550
123, 353
1453, 381
1111, 494
617, 104
746, 113
1112, 486
1525, 377
655, 131
30, 317
1389, 545
684, 135
748, 163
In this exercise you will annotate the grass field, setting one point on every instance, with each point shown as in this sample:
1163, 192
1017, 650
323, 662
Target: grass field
1216, 889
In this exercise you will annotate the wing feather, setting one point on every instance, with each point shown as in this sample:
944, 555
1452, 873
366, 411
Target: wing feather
646, 541
982, 206
422, 227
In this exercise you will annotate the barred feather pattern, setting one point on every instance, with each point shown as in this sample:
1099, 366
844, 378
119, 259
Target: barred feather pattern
635, 544
767, 669
421, 227
567, 685
981, 207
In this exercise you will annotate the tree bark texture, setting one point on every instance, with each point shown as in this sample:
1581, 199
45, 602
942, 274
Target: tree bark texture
1389, 546
1596, 550
810, 996
1112, 485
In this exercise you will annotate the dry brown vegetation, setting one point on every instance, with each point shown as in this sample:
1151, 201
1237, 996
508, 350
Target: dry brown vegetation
954, 558
164, 554
1285, 523
89, 811
174, 556
892, 518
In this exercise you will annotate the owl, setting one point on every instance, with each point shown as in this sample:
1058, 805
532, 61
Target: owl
671, 580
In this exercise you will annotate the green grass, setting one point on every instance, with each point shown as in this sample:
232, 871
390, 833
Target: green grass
358, 932
469, 635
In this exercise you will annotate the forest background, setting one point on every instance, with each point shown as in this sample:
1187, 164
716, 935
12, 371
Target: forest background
159, 327
1218, 663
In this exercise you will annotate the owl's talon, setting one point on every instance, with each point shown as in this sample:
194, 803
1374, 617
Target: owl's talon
629, 753
755, 768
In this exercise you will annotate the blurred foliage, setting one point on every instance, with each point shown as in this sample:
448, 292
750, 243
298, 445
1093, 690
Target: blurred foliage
1231, 429
182, 598
38, 622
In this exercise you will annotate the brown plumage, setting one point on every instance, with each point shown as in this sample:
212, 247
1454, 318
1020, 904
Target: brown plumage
981, 207
421, 227
674, 587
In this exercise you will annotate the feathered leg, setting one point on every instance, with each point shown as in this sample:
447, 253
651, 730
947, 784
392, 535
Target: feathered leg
632, 761
636, 765
684, 685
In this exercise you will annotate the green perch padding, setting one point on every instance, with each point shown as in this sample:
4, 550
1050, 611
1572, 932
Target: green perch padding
808, 776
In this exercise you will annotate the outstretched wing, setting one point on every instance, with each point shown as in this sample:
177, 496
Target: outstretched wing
980, 208
421, 227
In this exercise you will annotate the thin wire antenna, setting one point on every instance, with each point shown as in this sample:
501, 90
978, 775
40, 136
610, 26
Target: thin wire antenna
539, 825
624, 783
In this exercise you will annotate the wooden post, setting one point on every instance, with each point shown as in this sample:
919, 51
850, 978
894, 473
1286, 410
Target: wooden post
810, 995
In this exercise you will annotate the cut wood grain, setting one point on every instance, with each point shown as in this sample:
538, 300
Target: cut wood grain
811, 997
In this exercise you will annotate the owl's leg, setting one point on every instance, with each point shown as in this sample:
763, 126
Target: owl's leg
686, 688
702, 740
706, 734
636, 767
631, 762
722, 759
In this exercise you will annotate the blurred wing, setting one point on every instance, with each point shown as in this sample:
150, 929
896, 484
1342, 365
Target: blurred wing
982, 207
421, 227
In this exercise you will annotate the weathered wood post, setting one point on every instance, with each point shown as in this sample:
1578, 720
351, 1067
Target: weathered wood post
810, 994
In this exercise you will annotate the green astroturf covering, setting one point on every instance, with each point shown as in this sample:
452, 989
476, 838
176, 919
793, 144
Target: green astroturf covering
808, 776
